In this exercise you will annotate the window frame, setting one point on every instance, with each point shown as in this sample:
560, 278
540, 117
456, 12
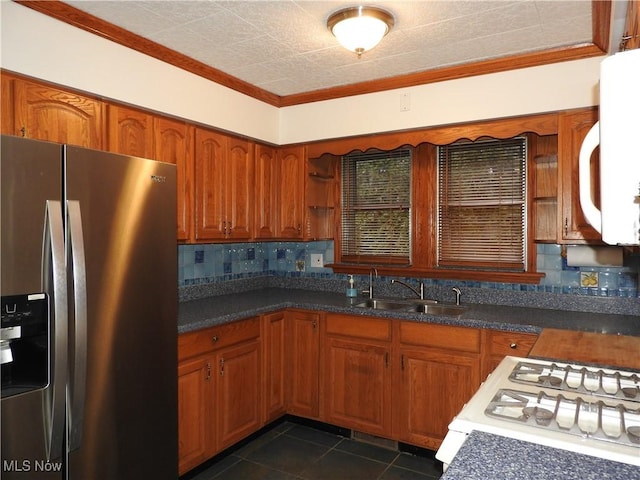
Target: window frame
469, 152
369, 260
424, 213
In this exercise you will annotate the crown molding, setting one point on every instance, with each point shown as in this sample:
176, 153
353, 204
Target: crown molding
601, 15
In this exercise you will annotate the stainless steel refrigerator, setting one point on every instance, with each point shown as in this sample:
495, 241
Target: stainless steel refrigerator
89, 304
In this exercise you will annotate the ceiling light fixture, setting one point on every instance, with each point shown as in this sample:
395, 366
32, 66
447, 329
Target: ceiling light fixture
360, 28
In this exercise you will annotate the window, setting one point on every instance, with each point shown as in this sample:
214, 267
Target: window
376, 207
482, 205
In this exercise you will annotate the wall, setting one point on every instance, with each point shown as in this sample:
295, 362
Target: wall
533, 90
39, 46
36, 45
217, 263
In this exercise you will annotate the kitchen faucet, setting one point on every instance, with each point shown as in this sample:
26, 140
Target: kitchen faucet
370, 289
418, 293
457, 291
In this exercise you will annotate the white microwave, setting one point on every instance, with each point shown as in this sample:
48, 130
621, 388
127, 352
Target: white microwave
618, 134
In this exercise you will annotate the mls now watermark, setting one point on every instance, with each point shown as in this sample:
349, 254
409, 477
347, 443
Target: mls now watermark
31, 466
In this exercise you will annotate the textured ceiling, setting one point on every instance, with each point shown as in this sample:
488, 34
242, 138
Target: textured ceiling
284, 47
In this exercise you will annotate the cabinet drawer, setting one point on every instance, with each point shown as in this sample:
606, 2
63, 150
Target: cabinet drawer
360, 327
510, 343
462, 339
210, 339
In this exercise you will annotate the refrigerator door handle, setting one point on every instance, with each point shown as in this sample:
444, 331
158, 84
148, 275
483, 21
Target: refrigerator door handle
79, 377
53, 269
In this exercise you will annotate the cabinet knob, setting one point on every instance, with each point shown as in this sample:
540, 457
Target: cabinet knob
214, 339
513, 345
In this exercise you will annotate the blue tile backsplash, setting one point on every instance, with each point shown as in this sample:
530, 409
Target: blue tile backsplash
215, 263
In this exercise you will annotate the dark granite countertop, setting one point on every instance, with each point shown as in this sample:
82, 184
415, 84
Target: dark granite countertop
220, 309
485, 456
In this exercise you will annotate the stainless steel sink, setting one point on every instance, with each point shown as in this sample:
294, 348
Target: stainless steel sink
430, 307
379, 304
442, 309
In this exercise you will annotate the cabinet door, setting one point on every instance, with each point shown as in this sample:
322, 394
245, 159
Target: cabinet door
274, 366
433, 386
210, 158
572, 129
47, 113
195, 440
357, 381
303, 342
290, 192
239, 189
173, 144
130, 132
238, 393
7, 105
265, 192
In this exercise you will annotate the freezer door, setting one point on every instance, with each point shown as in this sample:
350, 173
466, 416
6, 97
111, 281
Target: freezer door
123, 419
31, 176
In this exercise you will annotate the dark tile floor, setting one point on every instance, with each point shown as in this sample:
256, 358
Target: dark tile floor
293, 451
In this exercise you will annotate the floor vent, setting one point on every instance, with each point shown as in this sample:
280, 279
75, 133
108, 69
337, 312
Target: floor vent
373, 440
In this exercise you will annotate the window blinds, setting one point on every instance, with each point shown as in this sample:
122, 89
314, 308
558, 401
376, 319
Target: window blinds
482, 205
376, 205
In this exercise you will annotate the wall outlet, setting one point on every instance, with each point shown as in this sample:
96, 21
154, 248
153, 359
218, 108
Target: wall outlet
317, 260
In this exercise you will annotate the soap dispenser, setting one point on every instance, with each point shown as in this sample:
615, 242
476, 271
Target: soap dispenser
351, 289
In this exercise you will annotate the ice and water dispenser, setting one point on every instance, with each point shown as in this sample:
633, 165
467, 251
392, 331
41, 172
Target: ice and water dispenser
24, 343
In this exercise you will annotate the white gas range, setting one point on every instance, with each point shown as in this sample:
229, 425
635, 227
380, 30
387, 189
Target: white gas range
588, 410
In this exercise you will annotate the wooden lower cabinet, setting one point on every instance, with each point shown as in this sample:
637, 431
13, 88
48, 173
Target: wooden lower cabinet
219, 389
432, 387
401, 380
274, 365
194, 414
438, 372
237, 406
303, 363
499, 344
357, 373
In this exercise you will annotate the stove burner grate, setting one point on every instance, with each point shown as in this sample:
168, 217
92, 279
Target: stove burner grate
591, 381
598, 420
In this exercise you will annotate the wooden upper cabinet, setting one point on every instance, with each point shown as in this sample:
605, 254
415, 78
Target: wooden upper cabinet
140, 134
130, 131
572, 129
6, 107
47, 113
290, 192
173, 143
209, 169
224, 183
264, 218
239, 188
